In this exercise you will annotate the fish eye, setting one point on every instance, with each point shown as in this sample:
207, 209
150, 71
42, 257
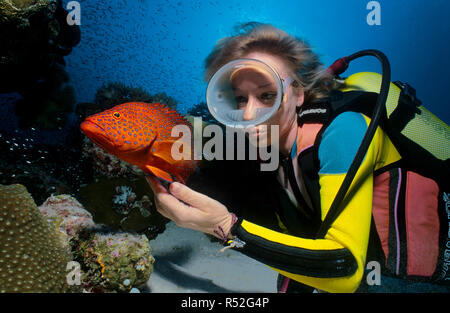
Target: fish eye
116, 114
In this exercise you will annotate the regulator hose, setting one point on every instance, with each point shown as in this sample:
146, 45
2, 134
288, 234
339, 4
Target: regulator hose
337, 68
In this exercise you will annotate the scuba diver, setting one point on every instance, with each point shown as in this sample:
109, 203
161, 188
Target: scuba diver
331, 219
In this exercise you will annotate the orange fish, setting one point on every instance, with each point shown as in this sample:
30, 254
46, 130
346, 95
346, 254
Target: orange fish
140, 133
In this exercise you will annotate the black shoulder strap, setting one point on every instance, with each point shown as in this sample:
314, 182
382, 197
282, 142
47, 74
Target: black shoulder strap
325, 110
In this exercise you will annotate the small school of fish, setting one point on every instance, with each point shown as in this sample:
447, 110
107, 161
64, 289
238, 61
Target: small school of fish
140, 133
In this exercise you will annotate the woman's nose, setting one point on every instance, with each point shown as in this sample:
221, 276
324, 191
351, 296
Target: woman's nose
250, 109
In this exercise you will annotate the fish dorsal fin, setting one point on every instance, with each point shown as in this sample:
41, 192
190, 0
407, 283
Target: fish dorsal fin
166, 110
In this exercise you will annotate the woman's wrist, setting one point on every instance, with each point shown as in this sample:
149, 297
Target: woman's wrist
223, 232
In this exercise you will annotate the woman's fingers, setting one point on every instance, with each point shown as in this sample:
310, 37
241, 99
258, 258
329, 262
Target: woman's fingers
188, 208
181, 192
155, 185
158, 190
168, 205
190, 196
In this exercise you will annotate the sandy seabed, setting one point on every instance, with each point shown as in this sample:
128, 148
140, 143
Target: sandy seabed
187, 261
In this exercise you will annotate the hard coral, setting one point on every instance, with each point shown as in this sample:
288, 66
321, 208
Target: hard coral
110, 259
32, 257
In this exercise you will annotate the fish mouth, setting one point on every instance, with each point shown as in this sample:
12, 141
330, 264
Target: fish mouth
96, 134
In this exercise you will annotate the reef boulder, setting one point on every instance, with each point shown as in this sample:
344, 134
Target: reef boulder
66, 212
110, 261
114, 261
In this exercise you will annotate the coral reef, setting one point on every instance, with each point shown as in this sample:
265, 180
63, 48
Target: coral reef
19, 11
37, 244
115, 93
105, 164
66, 212
47, 103
44, 169
32, 257
123, 199
165, 99
58, 100
84, 109
123, 204
201, 110
107, 258
114, 261
35, 37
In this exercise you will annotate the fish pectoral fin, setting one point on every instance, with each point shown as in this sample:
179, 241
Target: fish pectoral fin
159, 173
163, 150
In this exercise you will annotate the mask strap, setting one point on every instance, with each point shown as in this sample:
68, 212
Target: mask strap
286, 82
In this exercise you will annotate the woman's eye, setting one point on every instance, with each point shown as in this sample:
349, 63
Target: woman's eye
267, 96
240, 100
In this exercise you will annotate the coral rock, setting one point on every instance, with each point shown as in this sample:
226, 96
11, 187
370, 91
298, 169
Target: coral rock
111, 261
68, 213
106, 164
115, 261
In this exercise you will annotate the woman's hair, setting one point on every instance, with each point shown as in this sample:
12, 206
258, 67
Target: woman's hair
297, 54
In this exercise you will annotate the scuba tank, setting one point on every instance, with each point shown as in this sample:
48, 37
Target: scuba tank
397, 103
412, 119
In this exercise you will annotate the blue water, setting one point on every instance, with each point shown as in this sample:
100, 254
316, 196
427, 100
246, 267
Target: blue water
161, 45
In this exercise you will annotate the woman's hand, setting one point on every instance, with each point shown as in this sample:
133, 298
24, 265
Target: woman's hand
195, 210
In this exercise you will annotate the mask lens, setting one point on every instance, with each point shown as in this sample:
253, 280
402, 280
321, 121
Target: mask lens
244, 93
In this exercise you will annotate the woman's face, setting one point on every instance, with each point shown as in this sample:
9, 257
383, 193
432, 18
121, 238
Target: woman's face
255, 89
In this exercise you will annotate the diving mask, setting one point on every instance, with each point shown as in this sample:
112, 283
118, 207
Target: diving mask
245, 92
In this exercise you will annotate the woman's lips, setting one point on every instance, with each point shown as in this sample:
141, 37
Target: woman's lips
258, 134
